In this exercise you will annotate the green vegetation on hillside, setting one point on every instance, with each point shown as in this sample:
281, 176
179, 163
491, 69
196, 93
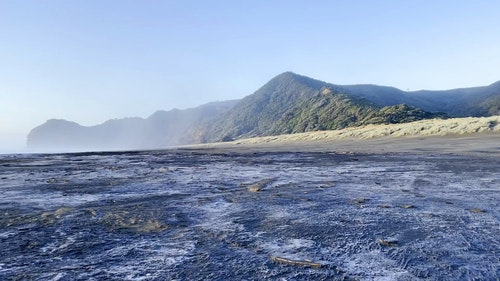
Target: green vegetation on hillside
292, 104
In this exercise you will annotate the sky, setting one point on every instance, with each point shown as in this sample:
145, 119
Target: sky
92, 60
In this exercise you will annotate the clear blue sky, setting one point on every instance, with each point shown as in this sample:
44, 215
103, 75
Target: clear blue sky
89, 61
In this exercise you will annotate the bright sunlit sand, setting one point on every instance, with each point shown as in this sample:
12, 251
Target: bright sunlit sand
455, 135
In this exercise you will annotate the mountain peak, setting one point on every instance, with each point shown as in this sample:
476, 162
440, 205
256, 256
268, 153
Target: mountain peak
287, 75
291, 79
495, 84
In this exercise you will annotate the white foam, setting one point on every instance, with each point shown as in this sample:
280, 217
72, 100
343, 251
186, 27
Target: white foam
373, 264
218, 216
293, 248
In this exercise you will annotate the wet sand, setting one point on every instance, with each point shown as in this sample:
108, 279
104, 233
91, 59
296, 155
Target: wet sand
198, 215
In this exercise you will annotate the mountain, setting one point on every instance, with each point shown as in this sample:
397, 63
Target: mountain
292, 103
288, 103
159, 130
475, 101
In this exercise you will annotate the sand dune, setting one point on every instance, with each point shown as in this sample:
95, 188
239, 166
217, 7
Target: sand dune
433, 127
472, 136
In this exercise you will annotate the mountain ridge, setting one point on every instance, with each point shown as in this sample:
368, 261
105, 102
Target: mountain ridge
459, 102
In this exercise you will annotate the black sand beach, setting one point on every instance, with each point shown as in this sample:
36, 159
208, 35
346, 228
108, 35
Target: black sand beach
381, 209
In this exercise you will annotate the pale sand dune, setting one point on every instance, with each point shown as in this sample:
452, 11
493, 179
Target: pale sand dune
433, 127
458, 135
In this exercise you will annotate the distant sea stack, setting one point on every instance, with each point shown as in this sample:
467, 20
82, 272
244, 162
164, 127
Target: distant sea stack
288, 103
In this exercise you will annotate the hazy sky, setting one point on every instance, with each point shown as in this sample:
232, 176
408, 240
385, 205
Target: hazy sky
89, 61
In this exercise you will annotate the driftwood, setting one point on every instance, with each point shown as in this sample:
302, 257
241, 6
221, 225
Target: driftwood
360, 200
407, 206
296, 262
258, 186
388, 243
477, 210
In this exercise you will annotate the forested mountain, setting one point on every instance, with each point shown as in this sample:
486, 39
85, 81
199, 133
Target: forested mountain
475, 101
292, 103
